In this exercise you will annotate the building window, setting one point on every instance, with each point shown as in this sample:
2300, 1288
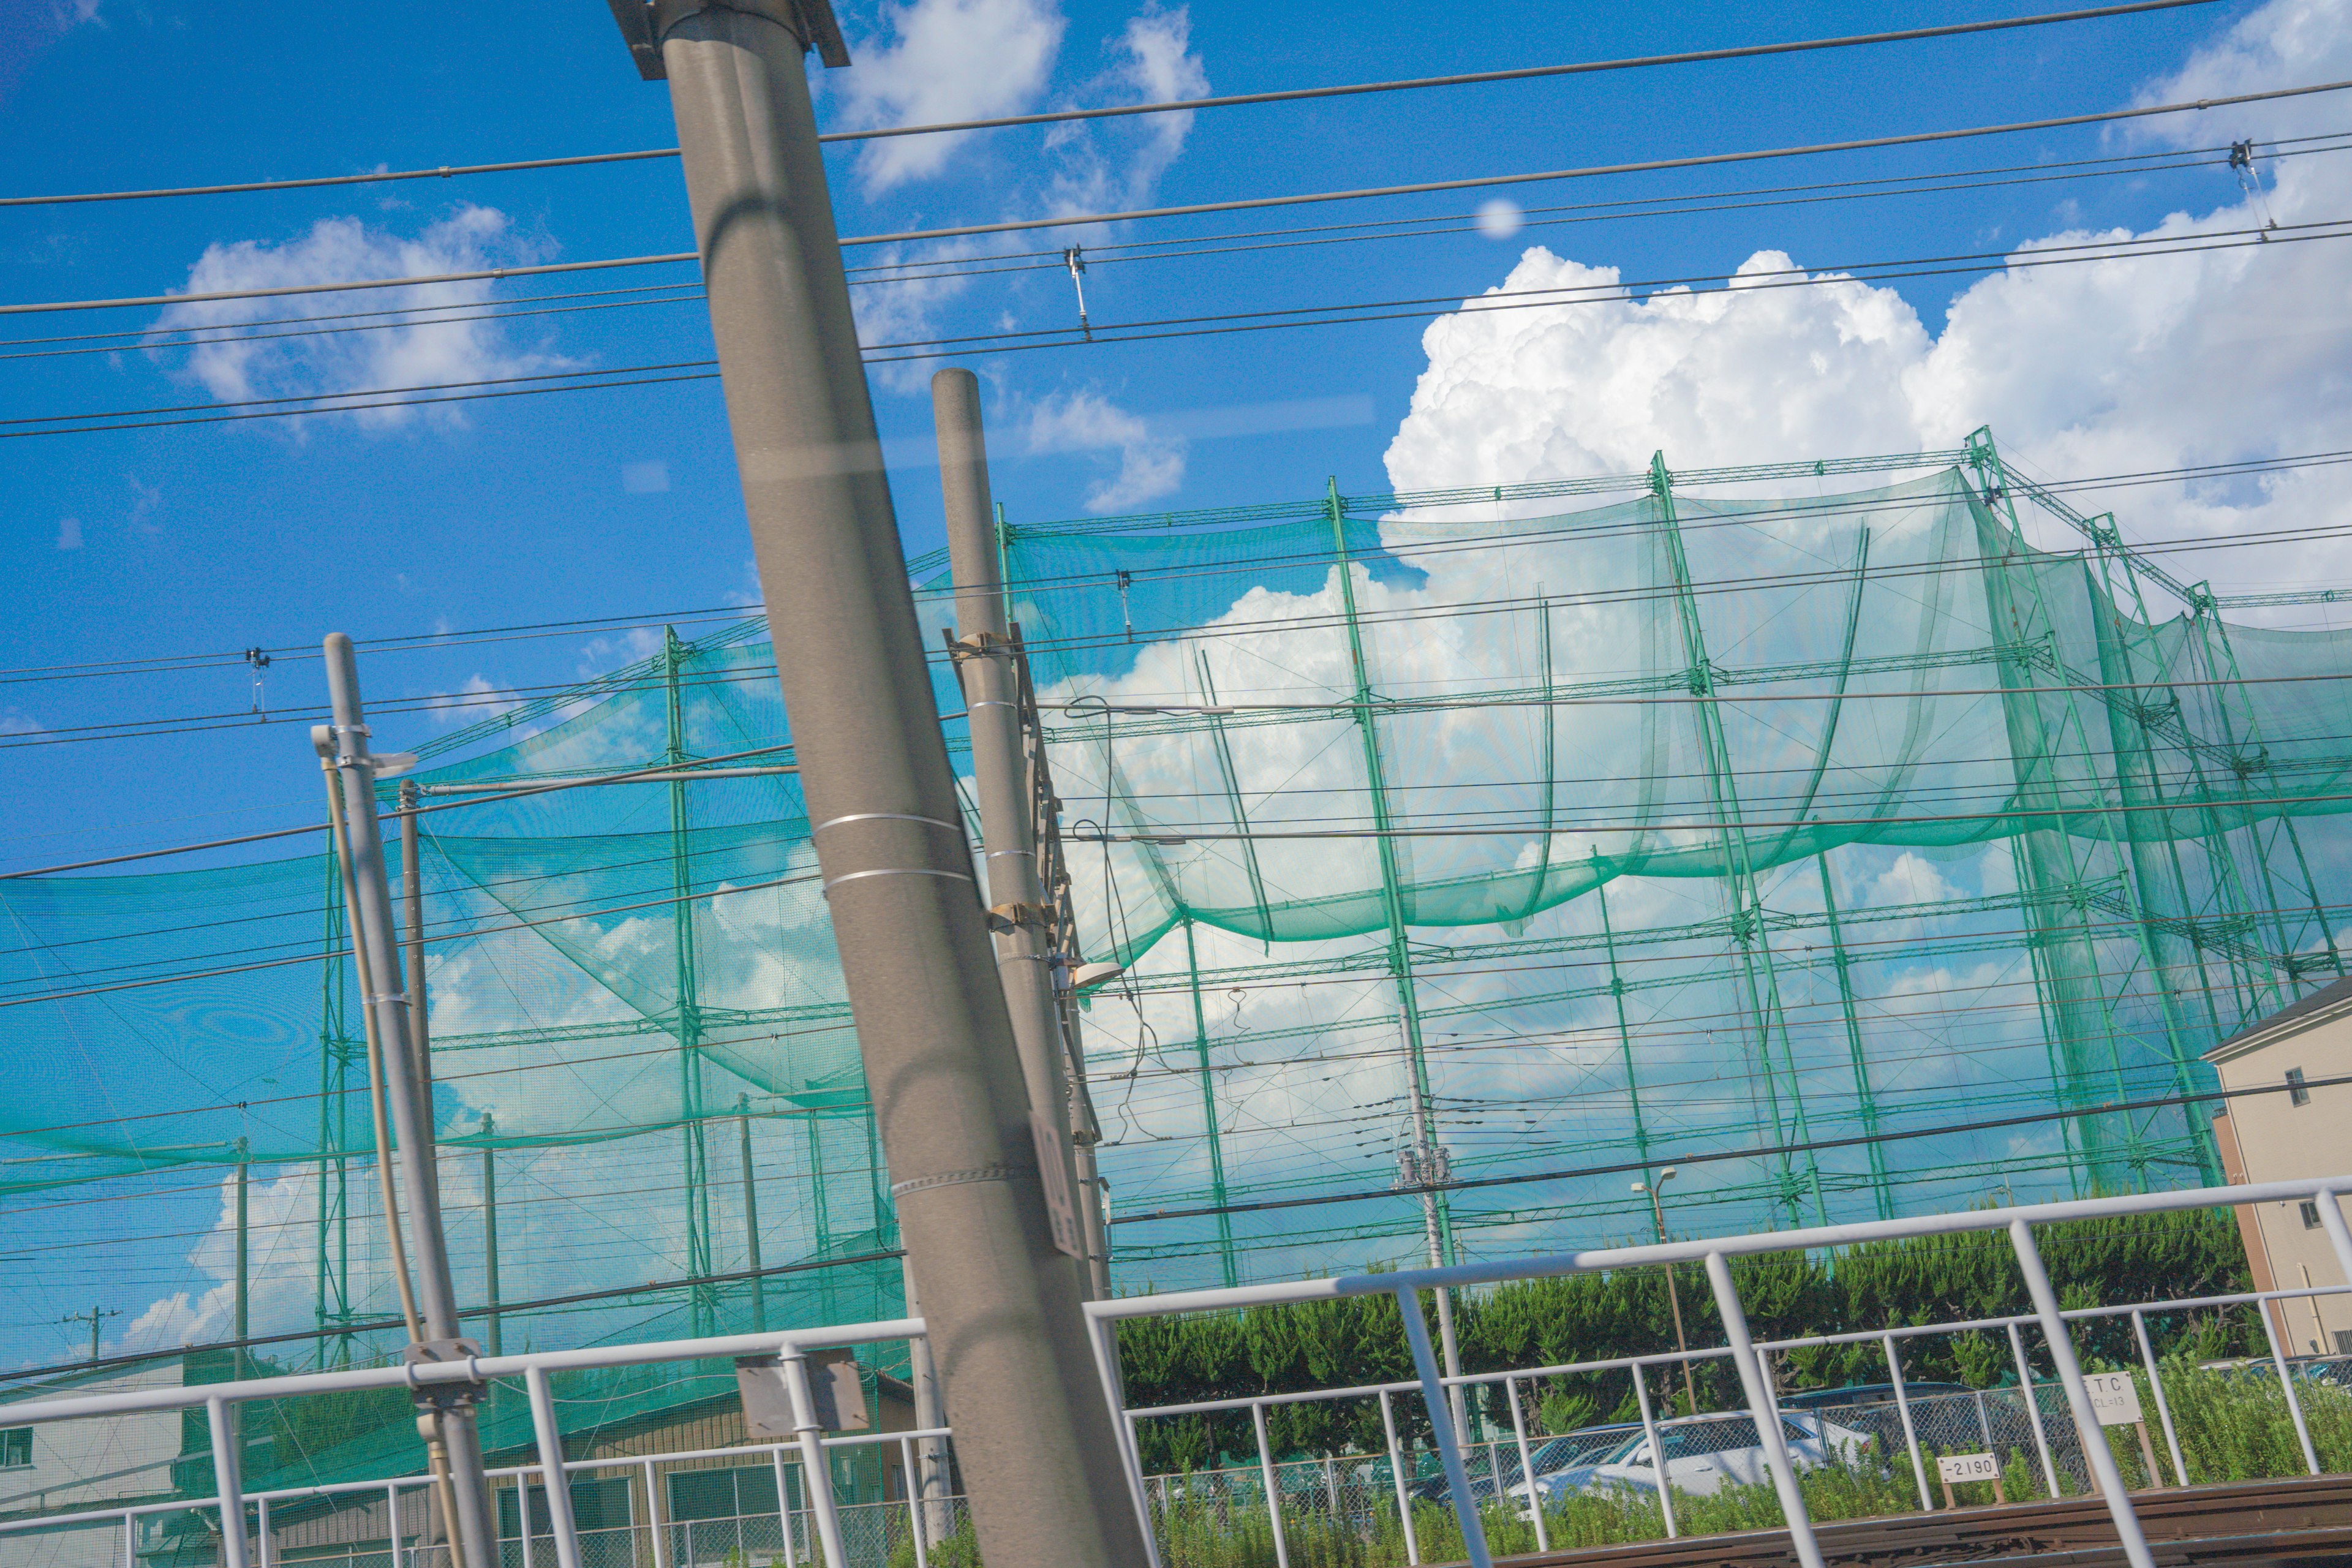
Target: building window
2344, 1341
2296, 1094
2310, 1212
16, 1448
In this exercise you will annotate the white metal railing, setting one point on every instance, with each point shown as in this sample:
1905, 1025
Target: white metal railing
1741, 1350
812, 1447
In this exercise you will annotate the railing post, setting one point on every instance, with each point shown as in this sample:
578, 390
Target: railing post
1984, 1425
914, 1507
1657, 1449
655, 1519
2163, 1405
2033, 1409
1272, 1484
2286, 1387
1526, 1467
816, 1473
555, 1482
130, 1540
1449, 1451
783, 1507
1396, 1475
2092, 1437
1750, 1368
1102, 1335
2339, 1236
1910, 1433
261, 1533
391, 1517
1331, 1487
230, 1488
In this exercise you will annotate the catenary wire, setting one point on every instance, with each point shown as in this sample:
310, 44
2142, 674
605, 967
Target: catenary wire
2143, 248
1186, 106
475, 637
1246, 204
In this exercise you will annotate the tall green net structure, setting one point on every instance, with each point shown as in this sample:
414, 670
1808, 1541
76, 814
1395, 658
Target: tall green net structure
1464, 851
1605, 823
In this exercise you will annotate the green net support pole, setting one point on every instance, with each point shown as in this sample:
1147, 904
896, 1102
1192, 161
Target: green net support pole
2135, 717
1865, 1097
1437, 1217
2068, 1128
759, 1286
332, 1265
1548, 716
2058, 880
1624, 1033
493, 1330
1758, 975
2246, 759
696, 1173
1229, 782
1218, 1193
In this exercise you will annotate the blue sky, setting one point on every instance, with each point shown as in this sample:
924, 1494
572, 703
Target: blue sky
206, 538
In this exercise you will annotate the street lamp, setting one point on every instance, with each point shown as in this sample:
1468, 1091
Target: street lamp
1673, 1298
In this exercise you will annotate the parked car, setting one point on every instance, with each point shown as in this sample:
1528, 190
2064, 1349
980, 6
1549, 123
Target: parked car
1869, 1407
1703, 1454
1545, 1454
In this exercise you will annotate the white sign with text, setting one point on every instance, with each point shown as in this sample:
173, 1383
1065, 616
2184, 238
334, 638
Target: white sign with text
2114, 1397
1959, 1467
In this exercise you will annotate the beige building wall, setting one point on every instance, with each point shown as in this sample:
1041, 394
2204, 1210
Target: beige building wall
2288, 1135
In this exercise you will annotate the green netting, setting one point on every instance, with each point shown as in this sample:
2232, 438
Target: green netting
1515, 840
1682, 822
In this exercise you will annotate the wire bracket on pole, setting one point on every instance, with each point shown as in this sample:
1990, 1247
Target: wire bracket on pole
978, 644
1005, 918
438, 1353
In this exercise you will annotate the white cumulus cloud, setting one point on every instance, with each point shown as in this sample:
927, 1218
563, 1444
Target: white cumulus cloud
1147, 464
945, 60
408, 340
2103, 367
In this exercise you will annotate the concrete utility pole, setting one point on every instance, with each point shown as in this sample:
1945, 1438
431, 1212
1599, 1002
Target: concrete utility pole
1018, 913
344, 745
1034, 1439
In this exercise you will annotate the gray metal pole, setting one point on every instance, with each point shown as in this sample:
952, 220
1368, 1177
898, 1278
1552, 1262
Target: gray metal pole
1018, 913
1038, 1449
346, 744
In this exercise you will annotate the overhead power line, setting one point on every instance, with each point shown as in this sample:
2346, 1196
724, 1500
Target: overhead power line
157, 301
1524, 73
1184, 106
1651, 166
1717, 1156
665, 770
1160, 329
1243, 204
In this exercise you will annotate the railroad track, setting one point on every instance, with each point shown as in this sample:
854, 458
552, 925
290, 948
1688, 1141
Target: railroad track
2304, 1523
